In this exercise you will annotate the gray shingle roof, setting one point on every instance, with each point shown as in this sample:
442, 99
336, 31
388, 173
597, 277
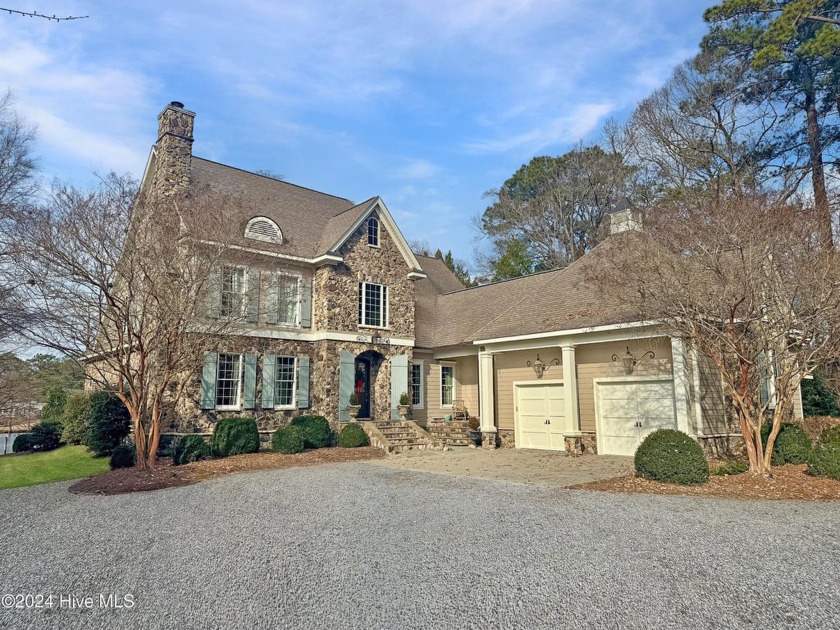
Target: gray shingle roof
306, 217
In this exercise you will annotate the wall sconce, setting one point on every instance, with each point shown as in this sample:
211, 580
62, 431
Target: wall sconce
541, 368
630, 362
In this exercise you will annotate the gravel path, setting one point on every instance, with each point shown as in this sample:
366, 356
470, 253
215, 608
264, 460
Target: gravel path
362, 546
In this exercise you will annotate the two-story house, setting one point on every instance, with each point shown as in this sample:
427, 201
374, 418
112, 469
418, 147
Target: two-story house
335, 302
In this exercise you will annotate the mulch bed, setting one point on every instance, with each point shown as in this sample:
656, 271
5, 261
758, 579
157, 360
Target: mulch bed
788, 482
167, 475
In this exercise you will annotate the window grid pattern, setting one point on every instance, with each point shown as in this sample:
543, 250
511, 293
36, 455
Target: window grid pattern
284, 383
227, 380
447, 385
233, 291
416, 384
373, 305
373, 231
287, 300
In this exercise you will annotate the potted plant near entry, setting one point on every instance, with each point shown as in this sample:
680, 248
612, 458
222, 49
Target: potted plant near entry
404, 406
475, 434
354, 407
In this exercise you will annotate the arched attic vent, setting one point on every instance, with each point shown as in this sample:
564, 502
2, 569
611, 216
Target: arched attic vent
263, 229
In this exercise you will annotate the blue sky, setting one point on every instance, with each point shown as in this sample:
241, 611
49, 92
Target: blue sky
427, 103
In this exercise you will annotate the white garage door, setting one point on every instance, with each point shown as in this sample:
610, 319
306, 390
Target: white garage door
540, 416
628, 410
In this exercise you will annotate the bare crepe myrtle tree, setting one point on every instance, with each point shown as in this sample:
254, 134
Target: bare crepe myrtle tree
745, 280
122, 285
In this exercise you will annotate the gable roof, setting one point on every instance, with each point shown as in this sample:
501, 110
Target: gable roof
440, 276
562, 299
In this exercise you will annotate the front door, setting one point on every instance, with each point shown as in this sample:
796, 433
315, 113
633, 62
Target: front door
362, 386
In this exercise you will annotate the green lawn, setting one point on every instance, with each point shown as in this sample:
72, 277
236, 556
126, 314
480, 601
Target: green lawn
67, 462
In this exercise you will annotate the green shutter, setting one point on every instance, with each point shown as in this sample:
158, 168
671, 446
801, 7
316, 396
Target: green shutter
303, 382
399, 382
250, 381
208, 380
306, 303
214, 295
268, 378
346, 374
272, 298
252, 308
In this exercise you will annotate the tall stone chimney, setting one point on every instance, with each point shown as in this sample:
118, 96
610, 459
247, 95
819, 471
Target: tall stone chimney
625, 217
173, 150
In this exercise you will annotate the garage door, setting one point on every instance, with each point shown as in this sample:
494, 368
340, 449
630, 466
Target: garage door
629, 410
540, 416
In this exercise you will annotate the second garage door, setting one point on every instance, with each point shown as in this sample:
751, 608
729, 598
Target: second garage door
628, 410
540, 416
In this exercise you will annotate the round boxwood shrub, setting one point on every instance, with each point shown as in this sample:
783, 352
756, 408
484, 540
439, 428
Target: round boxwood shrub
22, 443
734, 467
352, 436
287, 440
671, 457
123, 456
190, 448
234, 436
792, 445
110, 423
824, 460
315, 429
831, 435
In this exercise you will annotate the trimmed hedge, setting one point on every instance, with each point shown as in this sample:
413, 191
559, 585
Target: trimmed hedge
353, 436
287, 440
190, 448
234, 436
75, 424
824, 460
792, 445
22, 443
124, 456
110, 423
315, 429
830, 435
671, 456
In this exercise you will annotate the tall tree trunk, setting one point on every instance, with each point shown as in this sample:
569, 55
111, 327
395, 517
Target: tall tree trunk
817, 169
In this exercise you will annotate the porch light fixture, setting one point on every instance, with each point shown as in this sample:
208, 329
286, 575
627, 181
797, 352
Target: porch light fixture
541, 368
630, 362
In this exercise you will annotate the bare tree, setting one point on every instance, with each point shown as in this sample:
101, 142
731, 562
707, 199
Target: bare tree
123, 287
745, 280
18, 185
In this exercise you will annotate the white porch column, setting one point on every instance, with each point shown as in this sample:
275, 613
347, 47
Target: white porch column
698, 392
680, 385
486, 394
570, 390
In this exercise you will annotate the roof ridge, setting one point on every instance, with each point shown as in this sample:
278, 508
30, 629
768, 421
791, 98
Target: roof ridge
274, 179
358, 205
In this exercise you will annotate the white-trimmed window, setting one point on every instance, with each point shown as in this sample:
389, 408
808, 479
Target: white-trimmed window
285, 383
373, 305
232, 292
228, 381
447, 385
373, 232
288, 299
417, 385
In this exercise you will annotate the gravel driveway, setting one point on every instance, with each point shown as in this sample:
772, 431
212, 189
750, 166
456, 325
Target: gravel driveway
363, 546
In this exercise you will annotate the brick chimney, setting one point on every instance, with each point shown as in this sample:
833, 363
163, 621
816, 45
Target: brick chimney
173, 150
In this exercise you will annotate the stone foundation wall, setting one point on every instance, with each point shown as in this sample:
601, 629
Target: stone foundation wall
586, 443
507, 438
723, 446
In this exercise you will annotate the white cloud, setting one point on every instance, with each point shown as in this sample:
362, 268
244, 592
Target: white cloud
416, 169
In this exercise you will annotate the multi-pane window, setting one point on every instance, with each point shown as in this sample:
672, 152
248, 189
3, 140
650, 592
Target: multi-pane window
287, 299
417, 384
232, 291
373, 232
447, 385
284, 384
373, 305
228, 377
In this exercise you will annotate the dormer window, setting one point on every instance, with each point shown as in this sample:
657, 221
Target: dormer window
373, 232
264, 229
